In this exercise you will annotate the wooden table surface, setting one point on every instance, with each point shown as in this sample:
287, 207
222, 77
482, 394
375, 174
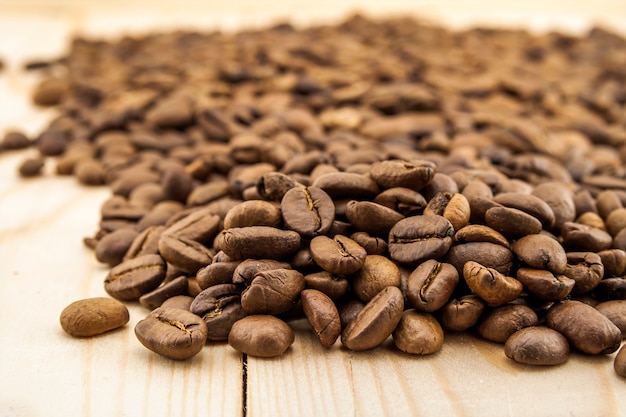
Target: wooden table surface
44, 266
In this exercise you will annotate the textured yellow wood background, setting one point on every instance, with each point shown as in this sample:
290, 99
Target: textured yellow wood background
44, 267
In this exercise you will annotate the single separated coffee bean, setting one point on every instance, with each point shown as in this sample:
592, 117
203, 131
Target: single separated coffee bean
323, 316
418, 333
93, 316
375, 322
172, 332
262, 336
586, 329
135, 277
537, 345
541, 252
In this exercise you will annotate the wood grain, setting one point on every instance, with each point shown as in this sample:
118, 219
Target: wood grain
44, 266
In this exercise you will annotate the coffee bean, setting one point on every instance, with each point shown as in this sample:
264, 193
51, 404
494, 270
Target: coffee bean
253, 213
418, 333
261, 336
619, 364
586, 269
418, 238
505, 320
545, 285
258, 242
460, 314
172, 332
560, 199
112, 247
491, 285
201, 225
529, 204
323, 316
537, 345
347, 185
479, 233
396, 173
372, 245
178, 301
431, 284
185, 254
512, 222
50, 91
487, 254
93, 316
377, 273
585, 328
614, 262
145, 243
372, 218
375, 322
332, 285
273, 291
452, 206
340, 255
135, 277
14, 139
404, 200
246, 270
156, 297
541, 251
220, 307
31, 167
308, 211
614, 310
611, 289
582, 238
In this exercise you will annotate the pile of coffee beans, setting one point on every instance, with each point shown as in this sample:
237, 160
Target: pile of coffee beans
378, 177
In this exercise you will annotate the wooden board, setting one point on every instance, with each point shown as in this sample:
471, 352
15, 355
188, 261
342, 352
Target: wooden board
44, 266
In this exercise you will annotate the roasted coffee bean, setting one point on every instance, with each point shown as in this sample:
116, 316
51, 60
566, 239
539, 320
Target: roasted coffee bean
159, 214
592, 220
348, 310
273, 291
529, 204
408, 174
145, 243
339, 255
614, 310
372, 245
537, 345
253, 213
418, 333
480, 233
431, 284
541, 251
491, 285
560, 199
155, 298
377, 273
50, 91
505, 320
418, 238
512, 222
261, 336
334, 286
220, 307
460, 314
488, 254
372, 218
89, 172
545, 285
135, 277
613, 261
258, 242
178, 301
13, 140
347, 185
619, 364
246, 270
375, 322
201, 225
404, 200
308, 211
585, 328
93, 316
452, 206
586, 269
207, 193
582, 238
606, 202
172, 332
112, 247
273, 185
611, 289
31, 167
323, 316
185, 254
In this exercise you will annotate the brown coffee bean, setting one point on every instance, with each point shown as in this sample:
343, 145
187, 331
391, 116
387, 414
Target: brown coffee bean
619, 364
93, 316
13, 140
529, 204
323, 316
512, 222
135, 277
89, 172
377, 273
339, 255
541, 251
178, 301
372, 218
560, 199
408, 174
145, 243
185, 254
491, 285
113, 246
586, 269
431, 284
611, 289
348, 310
405, 201
246, 270
480, 233
418, 333
487, 254
460, 314
545, 285
418, 238
375, 322
592, 220
452, 206
582, 238
220, 307
614, 310
308, 211
156, 297
207, 193
616, 221
261, 336
273, 292
372, 245
50, 91
253, 213
172, 332
334, 286
537, 345
258, 242
606, 202
505, 320
31, 167
200, 225
614, 262
347, 185
585, 328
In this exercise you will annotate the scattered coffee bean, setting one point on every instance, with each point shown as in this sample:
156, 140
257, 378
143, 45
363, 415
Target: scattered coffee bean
93, 316
31, 167
323, 316
261, 335
537, 345
418, 333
